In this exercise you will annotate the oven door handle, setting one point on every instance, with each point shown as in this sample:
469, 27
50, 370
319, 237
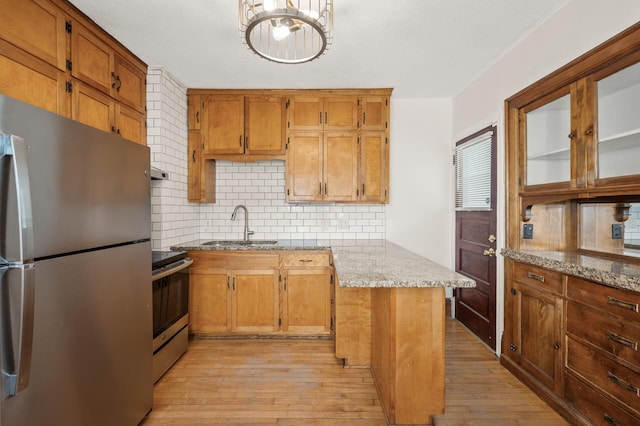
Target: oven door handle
179, 266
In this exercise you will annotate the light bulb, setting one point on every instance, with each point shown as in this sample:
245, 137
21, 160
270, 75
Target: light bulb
269, 4
311, 13
280, 32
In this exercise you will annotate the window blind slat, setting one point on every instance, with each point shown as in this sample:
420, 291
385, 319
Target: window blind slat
473, 174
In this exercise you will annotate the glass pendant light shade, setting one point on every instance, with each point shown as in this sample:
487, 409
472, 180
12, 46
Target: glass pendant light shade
287, 31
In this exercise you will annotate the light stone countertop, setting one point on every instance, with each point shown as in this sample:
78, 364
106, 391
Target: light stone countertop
604, 271
364, 263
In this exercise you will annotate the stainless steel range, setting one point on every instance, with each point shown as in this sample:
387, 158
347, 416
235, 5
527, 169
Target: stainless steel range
170, 309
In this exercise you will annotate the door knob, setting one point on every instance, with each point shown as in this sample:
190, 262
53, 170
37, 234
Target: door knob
492, 238
489, 252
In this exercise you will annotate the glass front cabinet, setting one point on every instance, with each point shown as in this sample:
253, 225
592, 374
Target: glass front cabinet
584, 137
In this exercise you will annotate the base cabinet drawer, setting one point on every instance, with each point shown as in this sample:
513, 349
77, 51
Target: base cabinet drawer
613, 378
597, 409
614, 336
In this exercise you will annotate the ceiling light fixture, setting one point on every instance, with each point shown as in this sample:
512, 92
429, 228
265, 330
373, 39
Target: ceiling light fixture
287, 31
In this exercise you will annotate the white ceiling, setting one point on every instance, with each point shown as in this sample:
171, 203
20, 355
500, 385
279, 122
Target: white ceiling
420, 48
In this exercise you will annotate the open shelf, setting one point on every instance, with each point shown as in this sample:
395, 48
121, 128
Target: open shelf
620, 141
558, 154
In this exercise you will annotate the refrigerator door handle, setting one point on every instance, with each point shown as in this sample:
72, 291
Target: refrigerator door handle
15, 147
17, 306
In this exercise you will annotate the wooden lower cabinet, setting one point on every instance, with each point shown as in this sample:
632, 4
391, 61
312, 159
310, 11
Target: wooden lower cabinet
575, 343
254, 301
534, 335
306, 301
209, 300
249, 293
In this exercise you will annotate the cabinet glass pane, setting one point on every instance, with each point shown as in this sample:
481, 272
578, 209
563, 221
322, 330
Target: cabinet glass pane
619, 123
548, 144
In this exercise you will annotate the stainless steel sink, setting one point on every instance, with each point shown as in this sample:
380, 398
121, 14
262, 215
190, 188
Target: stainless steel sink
231, 243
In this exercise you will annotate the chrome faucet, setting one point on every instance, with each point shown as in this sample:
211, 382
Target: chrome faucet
246, 220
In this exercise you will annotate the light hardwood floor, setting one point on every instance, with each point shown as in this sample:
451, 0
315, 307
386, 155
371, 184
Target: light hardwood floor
300, 382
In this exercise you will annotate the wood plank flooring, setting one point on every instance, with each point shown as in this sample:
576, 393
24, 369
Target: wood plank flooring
300, 382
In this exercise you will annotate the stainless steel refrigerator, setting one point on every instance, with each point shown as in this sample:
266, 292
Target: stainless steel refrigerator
75, 273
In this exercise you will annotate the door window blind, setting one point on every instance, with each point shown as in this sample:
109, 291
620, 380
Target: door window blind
473, 174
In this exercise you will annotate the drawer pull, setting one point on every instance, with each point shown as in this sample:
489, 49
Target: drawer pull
535, 276
306, 260
611, 420
623, 384
622, 340
621, 303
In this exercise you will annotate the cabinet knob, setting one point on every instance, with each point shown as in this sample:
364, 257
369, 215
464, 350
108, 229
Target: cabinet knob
588, 131
556, 346
571, 135
513, 291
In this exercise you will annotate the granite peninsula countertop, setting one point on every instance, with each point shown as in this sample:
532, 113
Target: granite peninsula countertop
609, 272
363, 263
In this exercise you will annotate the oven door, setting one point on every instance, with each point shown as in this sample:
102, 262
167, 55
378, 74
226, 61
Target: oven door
170, 295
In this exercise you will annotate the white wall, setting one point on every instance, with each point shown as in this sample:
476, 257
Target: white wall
575, 29
419, 214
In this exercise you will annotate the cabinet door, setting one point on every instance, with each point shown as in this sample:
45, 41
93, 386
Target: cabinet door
130, 124
130, 86
539, 335
307, 301
305, 113
209, 301
93, 59
201, 180
618, 127
194, 111
340, 113
223, 131
37, 27
374, 113
29, 80
304, 167
255, 301
264, 125
92, 107
373, 166
340, 166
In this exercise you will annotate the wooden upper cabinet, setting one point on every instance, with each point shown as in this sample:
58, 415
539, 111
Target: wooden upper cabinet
304, 167
195, 105
30, 80
307, 113
37, 27
201, 179
93, 60
130, 124
375, 113
340, 113
223, 124
54, 57
573, 134
373, 167
264, 125
92, 107
130, 83
340, 166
